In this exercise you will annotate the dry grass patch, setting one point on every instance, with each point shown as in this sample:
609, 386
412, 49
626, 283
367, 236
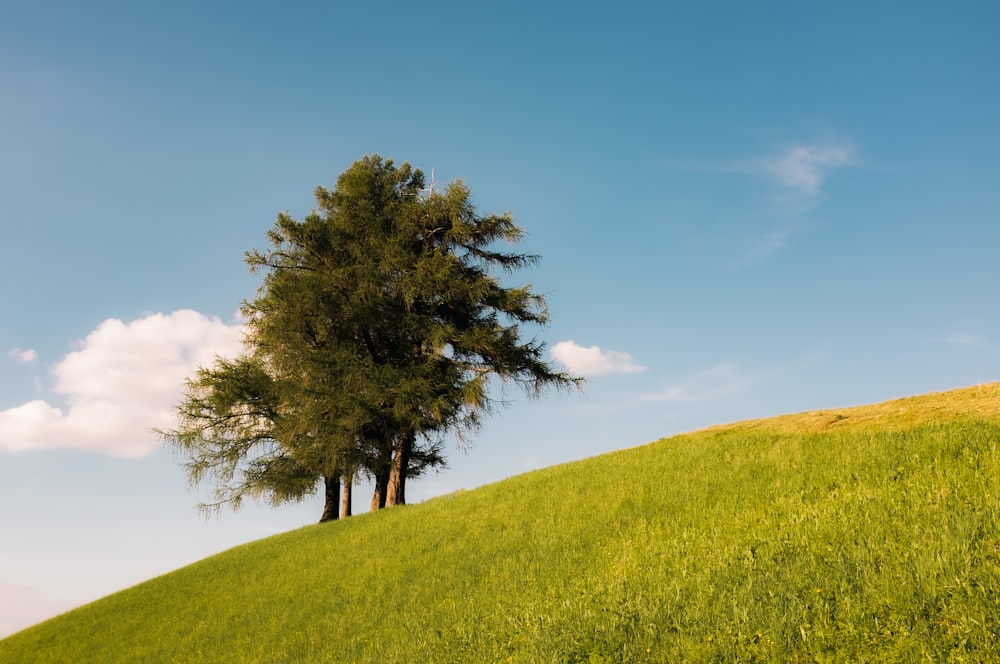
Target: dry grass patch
977, 402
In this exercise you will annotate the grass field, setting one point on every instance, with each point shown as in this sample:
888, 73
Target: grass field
864, 534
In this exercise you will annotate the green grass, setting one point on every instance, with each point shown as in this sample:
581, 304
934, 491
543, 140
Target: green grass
865, 534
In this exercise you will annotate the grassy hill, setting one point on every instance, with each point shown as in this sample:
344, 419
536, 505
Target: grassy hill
858, 534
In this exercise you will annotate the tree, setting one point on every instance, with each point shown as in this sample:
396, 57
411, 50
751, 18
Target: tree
230, 419
379, 327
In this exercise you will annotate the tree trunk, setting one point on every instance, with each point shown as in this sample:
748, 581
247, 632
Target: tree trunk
332, 490
345, 502
399, 469
381, 488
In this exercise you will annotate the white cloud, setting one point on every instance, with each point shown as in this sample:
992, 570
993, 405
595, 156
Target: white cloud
717, 382
805, 167
26, 356
593, 361
124, 380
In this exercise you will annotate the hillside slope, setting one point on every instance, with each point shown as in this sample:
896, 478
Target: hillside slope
861, 534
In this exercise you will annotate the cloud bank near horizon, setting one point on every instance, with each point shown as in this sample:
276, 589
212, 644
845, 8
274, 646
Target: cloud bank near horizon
593, 361
123, 381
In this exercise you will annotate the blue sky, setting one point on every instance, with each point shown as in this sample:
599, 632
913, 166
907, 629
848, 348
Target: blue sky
743, 209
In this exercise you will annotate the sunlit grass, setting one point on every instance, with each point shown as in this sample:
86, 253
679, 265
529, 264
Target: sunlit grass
868, 534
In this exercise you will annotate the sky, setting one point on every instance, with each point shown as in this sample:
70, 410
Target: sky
742, 209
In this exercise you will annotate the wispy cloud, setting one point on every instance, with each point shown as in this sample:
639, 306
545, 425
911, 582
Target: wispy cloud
961, 338
794, 175
124, 380
26, 356
764, 246
968, 339
804, 168
800, 167
717, 382
593, 361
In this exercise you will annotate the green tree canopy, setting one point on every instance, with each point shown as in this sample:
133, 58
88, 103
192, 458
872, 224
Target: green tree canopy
380, 324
